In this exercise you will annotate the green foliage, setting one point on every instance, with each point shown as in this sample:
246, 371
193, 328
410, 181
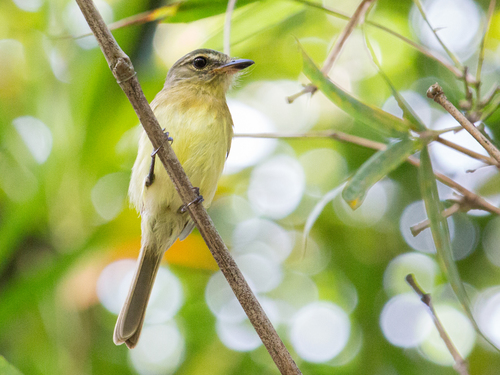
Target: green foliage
377, 167
381, 121
7, 369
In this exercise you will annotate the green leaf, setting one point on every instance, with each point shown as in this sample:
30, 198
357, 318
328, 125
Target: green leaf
375, 168
381, 121
491, 186
408, 113
7, 369
317, 210
441, 234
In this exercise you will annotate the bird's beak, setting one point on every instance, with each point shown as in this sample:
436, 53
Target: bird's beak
235, 65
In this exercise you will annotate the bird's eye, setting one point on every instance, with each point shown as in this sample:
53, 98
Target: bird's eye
200, 62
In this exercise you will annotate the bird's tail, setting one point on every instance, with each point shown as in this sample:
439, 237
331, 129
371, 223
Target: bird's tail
129, 324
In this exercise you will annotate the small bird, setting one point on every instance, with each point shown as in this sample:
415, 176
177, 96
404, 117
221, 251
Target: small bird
193, 111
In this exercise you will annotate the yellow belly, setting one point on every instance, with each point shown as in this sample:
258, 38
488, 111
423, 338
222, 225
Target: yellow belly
202, 134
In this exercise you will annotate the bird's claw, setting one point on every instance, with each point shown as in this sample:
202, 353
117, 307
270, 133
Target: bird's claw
151, 175
198, 199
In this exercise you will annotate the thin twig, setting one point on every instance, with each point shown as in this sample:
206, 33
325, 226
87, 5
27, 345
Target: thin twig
227, 27
466, 151
436, 93
124, 73
357, 18
446, 49
472, 198
489, 97
480, 60
418, 228
460, 364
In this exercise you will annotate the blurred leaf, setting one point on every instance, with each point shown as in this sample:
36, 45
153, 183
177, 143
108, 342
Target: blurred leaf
381, 121
264, 14
14, 227
408, 113
21, 293
313, 216
491, 186
192, 10
7, 369
152, 15
441, 233
375, 168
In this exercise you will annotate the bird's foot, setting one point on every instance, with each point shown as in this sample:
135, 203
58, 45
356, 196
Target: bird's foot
198, 199
151, 175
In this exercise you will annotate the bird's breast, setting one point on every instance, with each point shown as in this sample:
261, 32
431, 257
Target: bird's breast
202, 133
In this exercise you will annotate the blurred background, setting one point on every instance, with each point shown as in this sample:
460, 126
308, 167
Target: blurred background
68, 239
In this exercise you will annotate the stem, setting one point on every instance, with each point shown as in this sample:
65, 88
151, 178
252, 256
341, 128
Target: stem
227, 27
460, 363
418, 228
436, 93
466, 151
124, 73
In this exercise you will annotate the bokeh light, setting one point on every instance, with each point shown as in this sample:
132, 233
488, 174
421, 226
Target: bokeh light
323, 168
374, 207
77, 25
36, 135
463, 231
457, 22
276, 186
160, 350
166, 297
460, 332
414, 214
487, 309
262, 236
448, 159
320, 331
417, 103
246, 152
422, 266
109, 193
240, 335
405, 321
29, 5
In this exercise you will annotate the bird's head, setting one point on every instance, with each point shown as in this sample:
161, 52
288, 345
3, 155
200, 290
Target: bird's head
206, 69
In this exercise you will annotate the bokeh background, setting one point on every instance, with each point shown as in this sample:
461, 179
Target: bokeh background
68, 239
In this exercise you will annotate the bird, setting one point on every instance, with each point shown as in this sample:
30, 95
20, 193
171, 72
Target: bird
192, 110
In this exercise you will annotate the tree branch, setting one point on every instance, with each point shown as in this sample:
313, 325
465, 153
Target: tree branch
124, 73
436, 93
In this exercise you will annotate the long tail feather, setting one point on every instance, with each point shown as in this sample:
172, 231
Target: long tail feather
129, 325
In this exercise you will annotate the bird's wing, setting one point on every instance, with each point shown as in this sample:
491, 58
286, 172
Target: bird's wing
188, 228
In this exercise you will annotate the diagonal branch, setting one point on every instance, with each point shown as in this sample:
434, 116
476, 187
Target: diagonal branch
357, 18
124, 73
